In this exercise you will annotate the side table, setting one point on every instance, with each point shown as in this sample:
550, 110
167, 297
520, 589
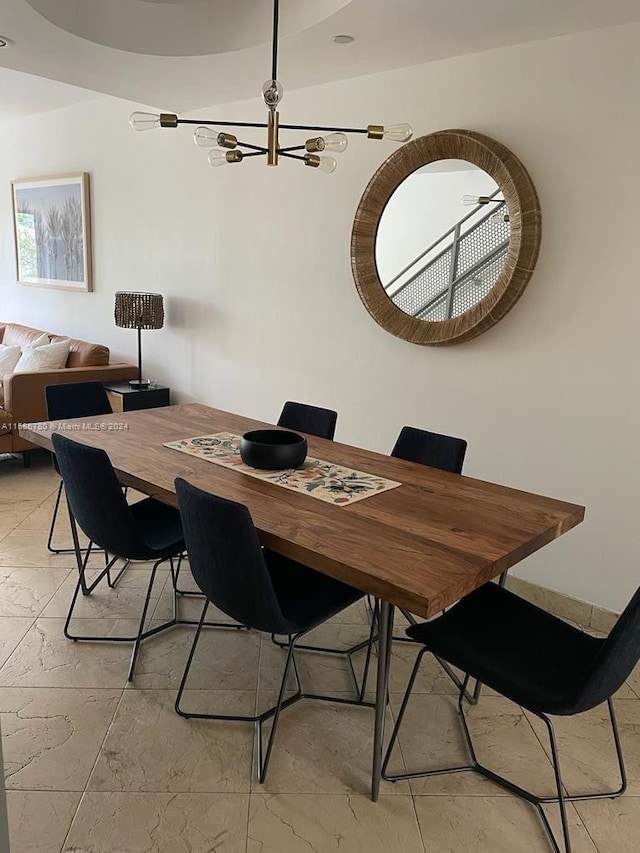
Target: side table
124, 398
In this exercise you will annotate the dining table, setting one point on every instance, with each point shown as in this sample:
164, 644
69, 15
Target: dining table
420, 546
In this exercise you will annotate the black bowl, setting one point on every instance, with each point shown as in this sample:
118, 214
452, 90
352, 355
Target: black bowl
273, 449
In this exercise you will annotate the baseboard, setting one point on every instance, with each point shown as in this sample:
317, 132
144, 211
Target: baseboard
581, 612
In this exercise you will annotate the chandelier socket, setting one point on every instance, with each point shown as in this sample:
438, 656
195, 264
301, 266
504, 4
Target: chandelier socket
234, 156
313, 145
375, 131
227, 140
168, 120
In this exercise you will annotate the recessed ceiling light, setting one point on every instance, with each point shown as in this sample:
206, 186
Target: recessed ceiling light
6, 42
343, 39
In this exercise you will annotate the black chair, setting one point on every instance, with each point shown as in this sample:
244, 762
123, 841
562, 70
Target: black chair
72, 400
310, 419
539, 662
147, 530
257, 587
430, 448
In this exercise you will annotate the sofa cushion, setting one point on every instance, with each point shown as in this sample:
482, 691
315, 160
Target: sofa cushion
23, 336
49, 357
81, 353
9, 357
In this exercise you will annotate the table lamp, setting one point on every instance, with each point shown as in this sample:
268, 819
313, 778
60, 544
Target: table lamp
139, 311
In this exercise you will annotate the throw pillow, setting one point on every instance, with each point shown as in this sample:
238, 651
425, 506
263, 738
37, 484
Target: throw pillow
42, 341
9, 357
48, 357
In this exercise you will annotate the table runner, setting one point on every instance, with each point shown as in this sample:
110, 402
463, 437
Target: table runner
331, 483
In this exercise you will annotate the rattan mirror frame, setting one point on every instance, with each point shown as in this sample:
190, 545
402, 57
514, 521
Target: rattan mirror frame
524, 217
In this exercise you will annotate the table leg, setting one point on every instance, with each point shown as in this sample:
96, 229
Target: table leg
385, 639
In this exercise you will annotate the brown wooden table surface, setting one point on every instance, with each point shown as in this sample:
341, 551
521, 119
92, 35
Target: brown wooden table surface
421, 546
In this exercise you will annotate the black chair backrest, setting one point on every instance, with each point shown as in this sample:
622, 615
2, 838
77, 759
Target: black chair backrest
430, 448
613, 662
310, 419
76, 400
96, 500
226, 558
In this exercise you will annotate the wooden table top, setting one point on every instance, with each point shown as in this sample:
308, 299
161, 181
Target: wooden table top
421, 546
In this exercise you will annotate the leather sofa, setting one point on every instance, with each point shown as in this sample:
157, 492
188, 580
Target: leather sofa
22, 394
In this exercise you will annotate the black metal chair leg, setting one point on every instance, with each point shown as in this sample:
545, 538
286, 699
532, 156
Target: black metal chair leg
263, 761
143, 617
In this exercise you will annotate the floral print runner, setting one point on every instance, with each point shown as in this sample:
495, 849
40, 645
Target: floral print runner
323, 480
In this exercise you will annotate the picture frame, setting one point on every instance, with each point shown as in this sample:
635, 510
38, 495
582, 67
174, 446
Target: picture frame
52, 231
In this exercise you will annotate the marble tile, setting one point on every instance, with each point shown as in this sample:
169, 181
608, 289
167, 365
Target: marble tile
126, 600
298, 823
12, 630
319, 672
431, 737
614, 825
150, 748
431, 677
26, 591
28, 548
150, 823
39, 820
322, 748
491, 825
46, 658
587, 753
634, 681
12, 513
51, 738
225, 659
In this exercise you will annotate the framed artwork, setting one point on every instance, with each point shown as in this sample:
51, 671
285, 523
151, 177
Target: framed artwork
52, 228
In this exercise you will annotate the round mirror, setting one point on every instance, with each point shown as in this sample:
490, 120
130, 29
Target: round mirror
445, 237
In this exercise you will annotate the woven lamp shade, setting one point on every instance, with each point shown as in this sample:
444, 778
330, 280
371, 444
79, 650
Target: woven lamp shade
139, 310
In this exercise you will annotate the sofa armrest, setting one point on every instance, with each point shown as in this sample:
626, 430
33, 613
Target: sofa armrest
24, 392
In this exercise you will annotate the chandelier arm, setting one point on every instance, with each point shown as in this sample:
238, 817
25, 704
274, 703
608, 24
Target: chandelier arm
291, 156
260, 149
260, 153
274, 43
221, 123
291, 148
330, 129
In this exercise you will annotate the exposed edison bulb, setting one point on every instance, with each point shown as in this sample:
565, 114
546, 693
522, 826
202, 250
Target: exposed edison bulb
271, 93
398, 132
205, 137
218, 156
473, 200
499, 217
144, 121
336, 142
325, 164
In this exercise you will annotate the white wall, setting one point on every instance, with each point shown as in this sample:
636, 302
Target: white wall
262, 307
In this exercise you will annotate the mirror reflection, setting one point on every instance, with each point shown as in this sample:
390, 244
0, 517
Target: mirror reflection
442, 240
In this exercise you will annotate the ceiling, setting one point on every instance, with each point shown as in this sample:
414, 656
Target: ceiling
180, 55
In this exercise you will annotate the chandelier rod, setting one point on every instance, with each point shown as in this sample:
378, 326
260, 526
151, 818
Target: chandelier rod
274, 43
282, 126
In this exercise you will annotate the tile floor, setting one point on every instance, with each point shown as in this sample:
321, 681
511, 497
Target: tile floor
94, 765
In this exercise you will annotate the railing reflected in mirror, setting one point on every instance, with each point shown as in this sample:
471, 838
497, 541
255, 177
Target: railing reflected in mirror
445, 237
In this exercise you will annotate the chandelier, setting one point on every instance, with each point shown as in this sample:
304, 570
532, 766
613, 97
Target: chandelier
227, 148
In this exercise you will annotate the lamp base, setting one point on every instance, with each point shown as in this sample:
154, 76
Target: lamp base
139, 383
